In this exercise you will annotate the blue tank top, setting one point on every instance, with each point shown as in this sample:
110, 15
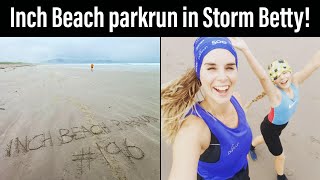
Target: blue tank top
234, 143
281, 114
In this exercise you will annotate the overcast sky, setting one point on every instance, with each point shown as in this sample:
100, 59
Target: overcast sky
39, 49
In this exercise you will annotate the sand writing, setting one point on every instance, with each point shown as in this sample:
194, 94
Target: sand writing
76, 133
134, 122
18, 145
83, 157
29, 144
110, 153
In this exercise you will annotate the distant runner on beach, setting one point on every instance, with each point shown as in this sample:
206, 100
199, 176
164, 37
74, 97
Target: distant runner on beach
92, 67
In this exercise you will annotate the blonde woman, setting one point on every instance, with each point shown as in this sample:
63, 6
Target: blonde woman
211, 138
282, 89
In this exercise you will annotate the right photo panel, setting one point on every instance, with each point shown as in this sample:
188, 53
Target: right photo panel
240, 108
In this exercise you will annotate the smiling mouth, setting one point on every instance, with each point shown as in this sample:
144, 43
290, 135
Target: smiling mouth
284, 82
222, 90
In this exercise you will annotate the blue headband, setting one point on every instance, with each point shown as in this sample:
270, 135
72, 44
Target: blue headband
203, 45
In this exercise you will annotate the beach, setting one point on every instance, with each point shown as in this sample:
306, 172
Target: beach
66, 122
300, 139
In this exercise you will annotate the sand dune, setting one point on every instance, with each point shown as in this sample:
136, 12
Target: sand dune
301, 138
70, 123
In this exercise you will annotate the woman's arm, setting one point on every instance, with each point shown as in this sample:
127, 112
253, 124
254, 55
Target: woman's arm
187, 149
313, 65
268, 86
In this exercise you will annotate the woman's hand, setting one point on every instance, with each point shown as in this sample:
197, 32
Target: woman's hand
239, 43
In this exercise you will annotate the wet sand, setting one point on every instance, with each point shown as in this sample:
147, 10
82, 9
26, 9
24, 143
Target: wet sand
70, 123
300, 139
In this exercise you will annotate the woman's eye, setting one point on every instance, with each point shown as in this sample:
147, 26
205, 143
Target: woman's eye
212, 68
230, 68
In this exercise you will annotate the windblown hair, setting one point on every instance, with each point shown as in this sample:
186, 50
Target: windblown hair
260, 96
177, 97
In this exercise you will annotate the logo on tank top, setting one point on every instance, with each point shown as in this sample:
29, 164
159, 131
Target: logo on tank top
233, 147
291, 105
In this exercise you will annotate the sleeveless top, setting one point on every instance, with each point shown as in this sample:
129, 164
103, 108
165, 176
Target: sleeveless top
234, 143
281, 114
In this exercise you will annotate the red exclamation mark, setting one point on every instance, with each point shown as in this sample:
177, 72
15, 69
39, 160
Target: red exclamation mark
307, 16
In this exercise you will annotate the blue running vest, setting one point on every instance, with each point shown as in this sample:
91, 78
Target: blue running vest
234, 143
281, 114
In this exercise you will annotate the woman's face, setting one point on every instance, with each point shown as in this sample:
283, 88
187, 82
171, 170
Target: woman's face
218, 75
284, 80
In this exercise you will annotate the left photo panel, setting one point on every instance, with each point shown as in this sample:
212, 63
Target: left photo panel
80, 108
